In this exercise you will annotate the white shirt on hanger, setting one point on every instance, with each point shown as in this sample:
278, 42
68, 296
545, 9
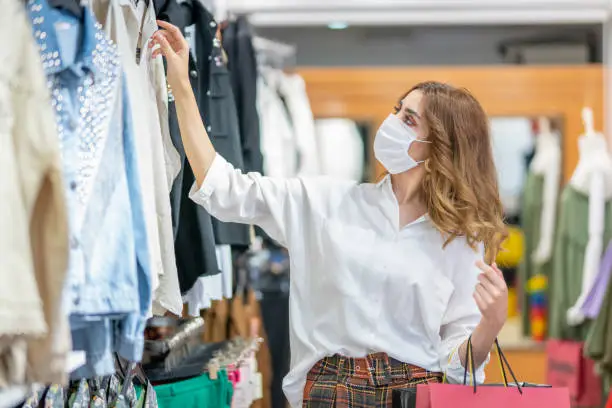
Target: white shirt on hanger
341, 148
512, 139
226, 264
359, 283
215, 287
202, 293
547, 162
293, 88
158, 160
277, 142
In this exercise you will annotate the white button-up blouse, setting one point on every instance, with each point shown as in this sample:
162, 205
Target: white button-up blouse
359, 283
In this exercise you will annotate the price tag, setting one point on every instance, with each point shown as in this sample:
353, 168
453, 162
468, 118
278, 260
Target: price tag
190, 37
257, 382
213, 367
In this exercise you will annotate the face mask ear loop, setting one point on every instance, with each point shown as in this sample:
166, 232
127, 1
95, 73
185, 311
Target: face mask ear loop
422, 141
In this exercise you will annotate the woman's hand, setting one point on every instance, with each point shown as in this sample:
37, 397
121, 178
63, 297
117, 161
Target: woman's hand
174, 47
491, 295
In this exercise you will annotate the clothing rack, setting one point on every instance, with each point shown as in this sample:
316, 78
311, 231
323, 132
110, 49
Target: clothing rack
235, 353
262, 44
274, 53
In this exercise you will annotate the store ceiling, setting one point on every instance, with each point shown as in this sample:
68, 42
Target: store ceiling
420, 12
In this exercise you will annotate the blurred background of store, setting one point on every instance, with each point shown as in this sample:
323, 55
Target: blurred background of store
299, 87
531, 63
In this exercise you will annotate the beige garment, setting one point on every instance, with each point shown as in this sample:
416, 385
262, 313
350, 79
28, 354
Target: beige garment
33, 223
13, 357
21, 306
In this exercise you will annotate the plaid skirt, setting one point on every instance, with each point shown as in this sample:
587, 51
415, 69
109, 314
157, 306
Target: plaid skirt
367, 382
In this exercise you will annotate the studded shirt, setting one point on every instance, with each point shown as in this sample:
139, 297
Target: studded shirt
108, 273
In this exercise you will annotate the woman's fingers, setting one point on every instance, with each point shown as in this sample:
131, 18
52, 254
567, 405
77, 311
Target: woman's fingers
176, 43
499, 273
158, 40
497, 278
484, 294
174, 34
486, 283
169, 39
164, 46
176, 46
169, 27
491, 294
479, 301
493, 274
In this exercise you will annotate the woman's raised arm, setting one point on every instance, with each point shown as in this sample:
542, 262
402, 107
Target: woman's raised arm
198, 147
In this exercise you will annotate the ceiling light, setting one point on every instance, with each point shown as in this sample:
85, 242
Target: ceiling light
337, 25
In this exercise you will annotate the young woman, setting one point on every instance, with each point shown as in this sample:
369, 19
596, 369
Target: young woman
388, 280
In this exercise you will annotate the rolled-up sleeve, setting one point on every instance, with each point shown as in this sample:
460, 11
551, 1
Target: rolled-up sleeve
231, 196
462, 316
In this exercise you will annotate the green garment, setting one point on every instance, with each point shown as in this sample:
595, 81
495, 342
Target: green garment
198, 392
565, 283
531, 219
599, 340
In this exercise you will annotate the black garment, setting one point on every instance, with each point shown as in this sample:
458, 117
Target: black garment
242, 64
171, 11
191, 365
218, 109
274, 306
271, 280
194, 241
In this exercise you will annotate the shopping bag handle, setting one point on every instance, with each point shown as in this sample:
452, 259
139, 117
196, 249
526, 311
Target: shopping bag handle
503, 363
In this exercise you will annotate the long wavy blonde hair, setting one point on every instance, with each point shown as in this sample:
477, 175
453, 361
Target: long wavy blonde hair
460, 183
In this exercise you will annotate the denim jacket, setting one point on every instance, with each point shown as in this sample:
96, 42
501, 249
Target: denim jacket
108, 290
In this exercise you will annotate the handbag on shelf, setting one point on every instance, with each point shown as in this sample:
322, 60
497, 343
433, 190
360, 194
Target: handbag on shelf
508, 394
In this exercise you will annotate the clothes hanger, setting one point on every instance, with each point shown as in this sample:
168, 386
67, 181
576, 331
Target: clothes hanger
587, 120
544, 125
131, 370
235, 353
546, 135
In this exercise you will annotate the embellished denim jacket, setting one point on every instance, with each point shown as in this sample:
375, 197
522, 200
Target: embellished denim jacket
108, 290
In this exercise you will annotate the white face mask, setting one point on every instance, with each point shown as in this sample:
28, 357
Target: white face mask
391, 145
